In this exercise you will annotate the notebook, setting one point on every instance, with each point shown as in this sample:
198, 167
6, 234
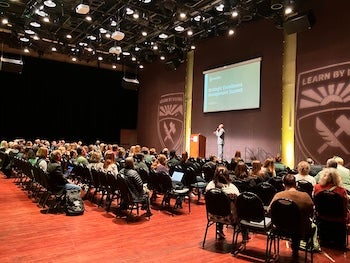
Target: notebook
177, 176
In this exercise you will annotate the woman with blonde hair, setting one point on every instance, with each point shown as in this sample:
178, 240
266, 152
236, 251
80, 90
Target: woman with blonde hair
331, 180
109, 163
303, 173
42, 153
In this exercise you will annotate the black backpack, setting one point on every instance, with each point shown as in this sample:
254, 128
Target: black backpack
74, 203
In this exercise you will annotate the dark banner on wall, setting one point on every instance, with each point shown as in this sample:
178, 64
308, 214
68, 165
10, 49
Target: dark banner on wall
171, 121
323, 113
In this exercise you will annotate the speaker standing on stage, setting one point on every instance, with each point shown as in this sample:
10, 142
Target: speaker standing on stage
220, 134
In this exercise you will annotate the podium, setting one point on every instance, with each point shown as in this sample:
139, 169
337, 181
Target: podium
197, 145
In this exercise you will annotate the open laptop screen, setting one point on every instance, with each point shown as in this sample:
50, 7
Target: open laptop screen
177, 176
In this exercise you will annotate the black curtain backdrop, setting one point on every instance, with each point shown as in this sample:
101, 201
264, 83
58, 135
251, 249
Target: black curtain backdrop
55, 100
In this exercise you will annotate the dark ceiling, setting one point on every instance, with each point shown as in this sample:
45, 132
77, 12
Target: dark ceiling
90, 40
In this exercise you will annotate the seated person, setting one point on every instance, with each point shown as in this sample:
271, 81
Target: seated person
303, 201
222, 181
303, 173
135, 184
331, 180
57, 180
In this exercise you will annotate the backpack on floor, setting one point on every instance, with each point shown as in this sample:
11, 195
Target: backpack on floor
74, 203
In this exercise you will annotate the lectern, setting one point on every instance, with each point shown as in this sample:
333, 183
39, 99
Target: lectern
197, 145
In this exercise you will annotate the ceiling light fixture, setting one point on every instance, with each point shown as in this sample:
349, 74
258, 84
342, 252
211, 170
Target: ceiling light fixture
82, 9
49, 3
118, 35
115, 50
276, 4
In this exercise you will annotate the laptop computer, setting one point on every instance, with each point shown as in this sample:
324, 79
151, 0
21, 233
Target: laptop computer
176, 179
177, 176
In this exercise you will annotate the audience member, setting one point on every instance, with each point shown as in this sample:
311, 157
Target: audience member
109, 163
236, 158
135, 183
209, 168
269, 168
280, 168
241, 171
42, 155
344, 173
140, 163
81, 158
222, 181
303, 201
331, 163
303, 173
257, 172
314, 168
331, 180
173, 159
149, 157
57, 180
95, 159
160, 164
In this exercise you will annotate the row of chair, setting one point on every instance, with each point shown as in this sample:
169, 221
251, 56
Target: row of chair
283, 221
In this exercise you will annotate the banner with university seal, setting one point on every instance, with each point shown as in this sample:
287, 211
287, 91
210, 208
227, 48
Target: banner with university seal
323, 113
171, 121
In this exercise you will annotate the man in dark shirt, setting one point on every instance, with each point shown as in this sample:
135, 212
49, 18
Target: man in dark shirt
57, 180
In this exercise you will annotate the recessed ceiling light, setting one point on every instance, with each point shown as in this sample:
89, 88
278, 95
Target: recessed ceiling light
198, 18
24, 39
163, 36
129, 11
102, 30
29, 32
41, 13
82, 9
220, 8
179, 28
118, 35
35, 24
49, 3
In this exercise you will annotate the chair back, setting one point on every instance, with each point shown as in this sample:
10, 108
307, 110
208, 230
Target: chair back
165, 182
123, 188
144, 174
305, 186
277, 182
217, 203
112, 181
242, 185
266, 192
250, 207
208, 171
330, 206
285, 217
